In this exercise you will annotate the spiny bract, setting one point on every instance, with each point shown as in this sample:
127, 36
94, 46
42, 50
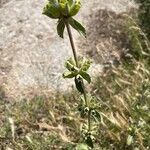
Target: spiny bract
57, 9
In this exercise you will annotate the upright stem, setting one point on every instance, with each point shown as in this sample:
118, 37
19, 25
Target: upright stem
72, 42
75, 57
77, 64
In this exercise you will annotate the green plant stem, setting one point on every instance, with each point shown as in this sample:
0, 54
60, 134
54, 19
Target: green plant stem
75, 57
76, 60
72, 42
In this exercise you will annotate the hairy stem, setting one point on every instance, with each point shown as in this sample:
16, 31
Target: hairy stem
77, 64
75, 57
72, 42
76, 60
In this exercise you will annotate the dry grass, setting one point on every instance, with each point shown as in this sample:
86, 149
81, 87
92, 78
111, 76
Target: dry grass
123, 92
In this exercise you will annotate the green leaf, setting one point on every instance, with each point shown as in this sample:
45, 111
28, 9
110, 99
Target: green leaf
86, 65
78, 83
77, 26
51, 10
70, 64
68, 75
75, 8
61, 28
86, 76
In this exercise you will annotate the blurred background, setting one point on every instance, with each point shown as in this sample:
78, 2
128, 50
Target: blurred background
32, 56
39, 110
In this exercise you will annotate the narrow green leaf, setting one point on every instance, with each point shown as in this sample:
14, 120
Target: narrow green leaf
78, 83
70, 64
86, 76
77, 26
61, 28
75, 8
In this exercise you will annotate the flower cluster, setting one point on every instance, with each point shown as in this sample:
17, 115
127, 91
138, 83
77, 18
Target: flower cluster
57, 9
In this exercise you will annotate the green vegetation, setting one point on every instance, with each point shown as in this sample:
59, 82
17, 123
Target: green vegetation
119, 117
144, 16
124, 93
39, 124
77, 68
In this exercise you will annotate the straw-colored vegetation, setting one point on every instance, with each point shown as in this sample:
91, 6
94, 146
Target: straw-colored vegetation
122, 95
